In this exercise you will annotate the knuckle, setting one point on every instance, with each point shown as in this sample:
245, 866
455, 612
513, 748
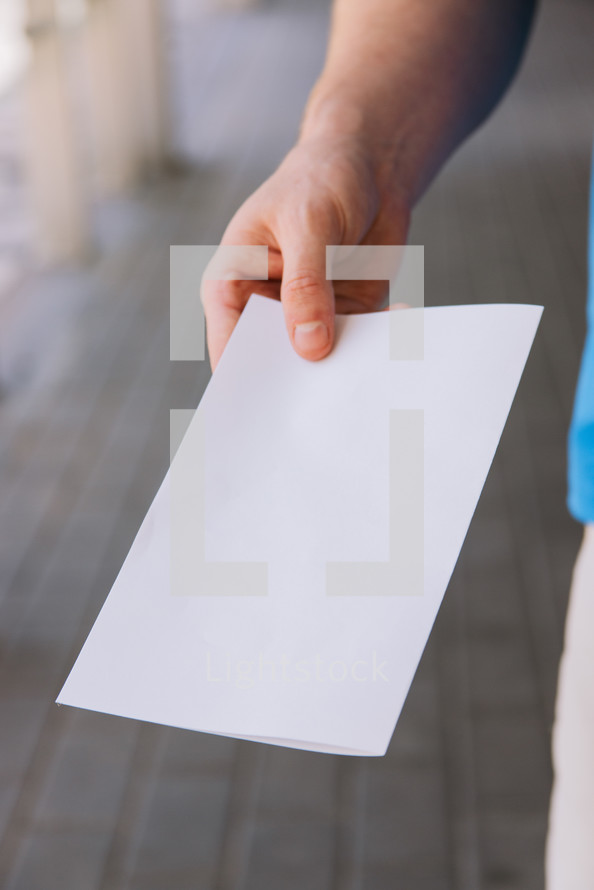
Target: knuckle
218, 293
304, 287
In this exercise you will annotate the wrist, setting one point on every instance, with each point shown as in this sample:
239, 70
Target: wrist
342, 114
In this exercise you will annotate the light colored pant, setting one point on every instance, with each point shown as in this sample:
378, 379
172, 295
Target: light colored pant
570, 843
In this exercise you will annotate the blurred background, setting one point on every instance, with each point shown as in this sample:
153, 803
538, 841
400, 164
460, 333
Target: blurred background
130, 125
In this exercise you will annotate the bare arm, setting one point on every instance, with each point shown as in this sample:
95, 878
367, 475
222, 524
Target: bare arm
411, 80
403, 84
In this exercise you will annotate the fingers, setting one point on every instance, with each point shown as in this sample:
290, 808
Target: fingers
299, 258
223, 303
306, 295
224, 300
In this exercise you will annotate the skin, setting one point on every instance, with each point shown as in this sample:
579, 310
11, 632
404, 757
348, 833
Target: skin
403, 84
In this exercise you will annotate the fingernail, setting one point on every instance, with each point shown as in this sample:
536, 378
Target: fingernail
311, 336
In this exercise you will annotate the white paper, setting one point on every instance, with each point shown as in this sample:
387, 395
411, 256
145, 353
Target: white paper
296, 476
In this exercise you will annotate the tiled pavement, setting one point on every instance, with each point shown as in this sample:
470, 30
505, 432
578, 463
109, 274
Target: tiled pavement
91, 802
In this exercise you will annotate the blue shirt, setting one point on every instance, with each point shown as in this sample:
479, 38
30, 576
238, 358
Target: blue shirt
581, 433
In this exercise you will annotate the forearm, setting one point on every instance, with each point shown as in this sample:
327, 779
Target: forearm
409, 80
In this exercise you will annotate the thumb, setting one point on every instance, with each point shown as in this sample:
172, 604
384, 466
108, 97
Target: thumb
306, 295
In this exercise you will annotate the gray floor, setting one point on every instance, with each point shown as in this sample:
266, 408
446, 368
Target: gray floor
460, 801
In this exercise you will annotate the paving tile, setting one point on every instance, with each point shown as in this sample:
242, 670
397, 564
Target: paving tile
55, 860
513, 850
512, 756
183, 829
404, 836
198, 753
294, 833
87, 777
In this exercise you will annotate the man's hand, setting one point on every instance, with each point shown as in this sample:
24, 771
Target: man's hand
403, 84
325, 192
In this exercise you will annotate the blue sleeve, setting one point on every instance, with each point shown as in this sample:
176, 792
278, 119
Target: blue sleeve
581, 433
